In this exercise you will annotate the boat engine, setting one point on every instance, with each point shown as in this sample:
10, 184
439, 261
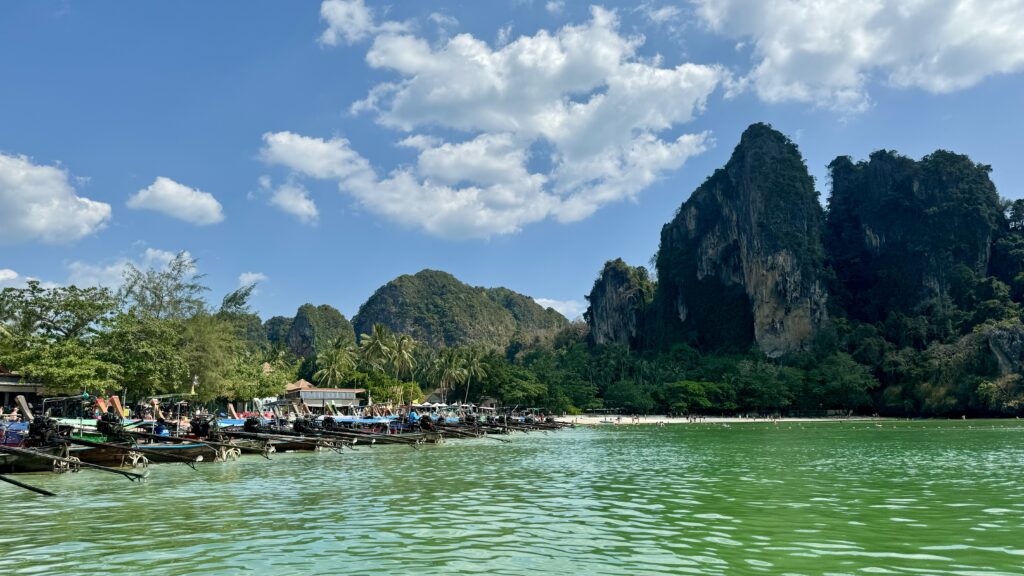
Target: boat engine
329, 423
305, 426
43, 431
252, 425
426, 423
109, 424
205, 427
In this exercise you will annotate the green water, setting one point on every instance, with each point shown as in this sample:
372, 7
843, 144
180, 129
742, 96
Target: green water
823, 498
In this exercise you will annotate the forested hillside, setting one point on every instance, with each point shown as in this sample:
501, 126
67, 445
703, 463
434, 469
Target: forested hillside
901, 296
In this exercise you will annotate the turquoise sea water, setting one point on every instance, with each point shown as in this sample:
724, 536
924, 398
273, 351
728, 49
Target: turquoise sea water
824, 498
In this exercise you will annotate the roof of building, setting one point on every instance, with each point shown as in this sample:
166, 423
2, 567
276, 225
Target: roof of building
304, 385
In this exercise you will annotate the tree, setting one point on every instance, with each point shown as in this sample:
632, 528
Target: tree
212, 351
375, 347
66, 367
1004, 394
843, 383
474, 366
447, 371
60, 313
50, 336
686, 396
264, 379
174, 292
149, 353
628, 395
335, 365
403, 355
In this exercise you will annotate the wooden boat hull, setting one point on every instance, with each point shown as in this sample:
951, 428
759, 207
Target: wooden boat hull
19, 463
307, 445
167, 453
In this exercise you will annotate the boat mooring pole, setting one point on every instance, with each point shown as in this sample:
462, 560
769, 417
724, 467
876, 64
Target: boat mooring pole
26, 486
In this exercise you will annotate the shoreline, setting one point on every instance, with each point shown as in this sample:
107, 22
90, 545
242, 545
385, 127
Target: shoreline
657, 419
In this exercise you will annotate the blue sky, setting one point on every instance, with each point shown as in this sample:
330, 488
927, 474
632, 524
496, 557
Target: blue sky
325, 148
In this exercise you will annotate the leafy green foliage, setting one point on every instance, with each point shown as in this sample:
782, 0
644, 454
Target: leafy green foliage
438, 310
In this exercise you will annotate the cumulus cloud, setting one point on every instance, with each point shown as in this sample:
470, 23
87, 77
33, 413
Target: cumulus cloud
295, 200
247, 278
827, 53
350, 21
571, 309
579, 105
8, 277
178, 201
291, 198
11, 279
555, 6
111, 274
40, 203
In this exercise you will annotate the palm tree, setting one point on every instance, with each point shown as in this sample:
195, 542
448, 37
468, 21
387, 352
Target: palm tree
403, 359
448, 371
475, 368
335, 365
375, 347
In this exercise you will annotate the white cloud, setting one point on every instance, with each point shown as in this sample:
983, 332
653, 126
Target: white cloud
247, 278
179, 201
111, 275
660, 15
419, 142
11, 279
39, 203
828, 53
350, 21
578, 103
504, 35
294, 199
555, 6
444, 22
571, 309
8, 277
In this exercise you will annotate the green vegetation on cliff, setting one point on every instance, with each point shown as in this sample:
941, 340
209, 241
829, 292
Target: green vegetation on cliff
619, 302
919, 265
904, 297
742, 261
438, 310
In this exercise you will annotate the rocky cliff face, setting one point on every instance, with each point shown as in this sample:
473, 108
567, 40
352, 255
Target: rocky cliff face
315, 328
900, 230
1007, 345
618, 304
742, 260
438, 310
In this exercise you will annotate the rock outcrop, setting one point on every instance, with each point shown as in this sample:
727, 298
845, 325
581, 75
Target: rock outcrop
438, 310
900, 231
619, 303
1007, 345
315, 328
742, 261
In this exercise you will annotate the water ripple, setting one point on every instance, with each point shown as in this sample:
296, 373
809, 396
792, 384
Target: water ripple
911, 498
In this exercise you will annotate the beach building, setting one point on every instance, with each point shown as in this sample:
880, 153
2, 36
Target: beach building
314, 397
11, 386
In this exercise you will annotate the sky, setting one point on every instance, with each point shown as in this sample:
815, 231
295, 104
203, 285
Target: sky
320, 149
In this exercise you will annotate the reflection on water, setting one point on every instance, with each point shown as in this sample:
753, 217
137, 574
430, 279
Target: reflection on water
907, 498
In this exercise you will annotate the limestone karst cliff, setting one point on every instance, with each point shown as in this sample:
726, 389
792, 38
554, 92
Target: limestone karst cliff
901, 233
742, 261
618, 304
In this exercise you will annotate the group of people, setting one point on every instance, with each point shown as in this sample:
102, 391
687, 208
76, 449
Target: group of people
10, 414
